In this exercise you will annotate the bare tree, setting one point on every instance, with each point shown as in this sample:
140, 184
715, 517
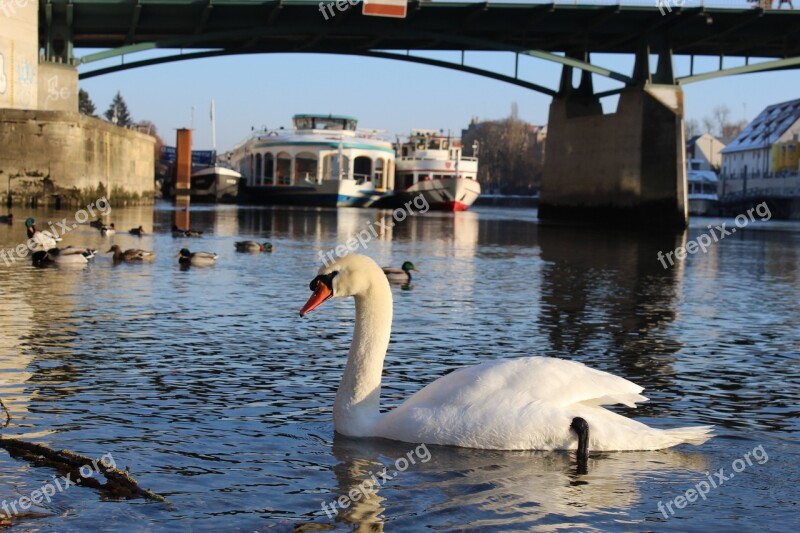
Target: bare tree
511, 156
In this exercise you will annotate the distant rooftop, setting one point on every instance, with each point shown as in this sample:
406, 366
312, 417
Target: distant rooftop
767, 127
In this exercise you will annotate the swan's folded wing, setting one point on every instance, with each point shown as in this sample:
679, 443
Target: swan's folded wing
528, 380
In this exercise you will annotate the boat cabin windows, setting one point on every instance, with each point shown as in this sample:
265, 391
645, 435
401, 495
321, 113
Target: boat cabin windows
330, 123
269, 169
702, 187
379, 173
305, 165
284, 169
334, 163
362, 169
437, 144
259, 176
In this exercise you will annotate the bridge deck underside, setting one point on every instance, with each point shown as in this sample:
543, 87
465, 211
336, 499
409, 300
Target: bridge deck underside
294, 26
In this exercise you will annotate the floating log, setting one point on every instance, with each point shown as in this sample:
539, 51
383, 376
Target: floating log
119, 483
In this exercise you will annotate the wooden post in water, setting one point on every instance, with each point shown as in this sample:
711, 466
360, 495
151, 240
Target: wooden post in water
183, 177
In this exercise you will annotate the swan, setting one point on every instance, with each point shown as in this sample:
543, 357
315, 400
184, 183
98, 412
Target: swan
196, 258
253, 246
131, 256
402, 274
530, 403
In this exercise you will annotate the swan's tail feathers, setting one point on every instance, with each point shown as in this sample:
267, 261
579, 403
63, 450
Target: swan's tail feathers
692, 435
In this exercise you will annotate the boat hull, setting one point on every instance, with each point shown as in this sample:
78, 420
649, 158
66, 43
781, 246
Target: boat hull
446, 194
215, 184
329, 193
703, 206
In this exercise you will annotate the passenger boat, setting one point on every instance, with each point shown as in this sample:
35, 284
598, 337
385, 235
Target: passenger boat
211, 181
325, 161
433, 165
702, 194
215, 184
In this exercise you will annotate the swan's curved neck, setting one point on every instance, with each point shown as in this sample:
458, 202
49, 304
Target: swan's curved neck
357, 407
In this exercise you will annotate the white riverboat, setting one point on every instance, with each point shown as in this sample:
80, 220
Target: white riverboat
432, 164
324, 161
702, 194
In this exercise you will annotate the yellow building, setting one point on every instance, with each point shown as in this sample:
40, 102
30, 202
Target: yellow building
785, 156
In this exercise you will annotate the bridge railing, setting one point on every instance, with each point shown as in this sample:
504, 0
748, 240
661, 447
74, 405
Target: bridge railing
664, 4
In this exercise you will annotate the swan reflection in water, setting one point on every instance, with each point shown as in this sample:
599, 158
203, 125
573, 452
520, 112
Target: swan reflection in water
523, 489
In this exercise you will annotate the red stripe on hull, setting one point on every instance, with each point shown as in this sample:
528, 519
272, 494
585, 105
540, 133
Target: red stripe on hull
449, 206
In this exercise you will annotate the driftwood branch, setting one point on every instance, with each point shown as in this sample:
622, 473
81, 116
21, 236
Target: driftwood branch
7, 413
8, 521
119, 484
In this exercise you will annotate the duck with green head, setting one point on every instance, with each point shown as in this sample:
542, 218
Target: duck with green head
402, 274
185, 257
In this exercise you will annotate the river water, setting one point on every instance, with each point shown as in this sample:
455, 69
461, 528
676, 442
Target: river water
211, 389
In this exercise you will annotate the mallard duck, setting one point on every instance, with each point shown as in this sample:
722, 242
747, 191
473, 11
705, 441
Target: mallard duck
137, 231
88, 253
196, 258
253, 246
177, 232
402, 274
131, 256
107, 231
64, 256
8, 219
44, 240
98, 223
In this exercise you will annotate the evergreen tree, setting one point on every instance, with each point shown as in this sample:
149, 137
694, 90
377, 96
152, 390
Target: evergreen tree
119, 109
85, 104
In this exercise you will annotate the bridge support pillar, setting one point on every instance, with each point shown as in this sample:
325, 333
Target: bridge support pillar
627, 168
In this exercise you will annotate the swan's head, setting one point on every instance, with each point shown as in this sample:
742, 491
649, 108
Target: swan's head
350, 275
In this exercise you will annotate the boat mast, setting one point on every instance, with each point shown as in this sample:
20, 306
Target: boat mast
213, 131
341, 148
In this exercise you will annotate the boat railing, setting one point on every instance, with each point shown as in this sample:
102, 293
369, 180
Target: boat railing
361, 178
309, 178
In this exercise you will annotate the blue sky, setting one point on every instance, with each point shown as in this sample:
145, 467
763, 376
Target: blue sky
266, 90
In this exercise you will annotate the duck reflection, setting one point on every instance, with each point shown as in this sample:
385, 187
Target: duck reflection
499, 488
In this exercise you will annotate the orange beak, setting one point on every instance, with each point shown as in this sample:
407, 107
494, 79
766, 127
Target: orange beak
321, 293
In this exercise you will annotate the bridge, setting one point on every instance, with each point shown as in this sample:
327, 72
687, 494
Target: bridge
537, 29
589, 171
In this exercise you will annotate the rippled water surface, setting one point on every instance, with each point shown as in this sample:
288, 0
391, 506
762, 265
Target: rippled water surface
211, 389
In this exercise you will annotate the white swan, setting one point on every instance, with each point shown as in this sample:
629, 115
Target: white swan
532, 403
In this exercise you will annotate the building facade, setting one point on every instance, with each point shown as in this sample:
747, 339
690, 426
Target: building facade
763, 159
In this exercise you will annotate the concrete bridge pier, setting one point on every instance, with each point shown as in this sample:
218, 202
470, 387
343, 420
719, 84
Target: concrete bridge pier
627, 168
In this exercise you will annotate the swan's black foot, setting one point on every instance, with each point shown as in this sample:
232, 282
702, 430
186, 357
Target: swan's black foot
581, 428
